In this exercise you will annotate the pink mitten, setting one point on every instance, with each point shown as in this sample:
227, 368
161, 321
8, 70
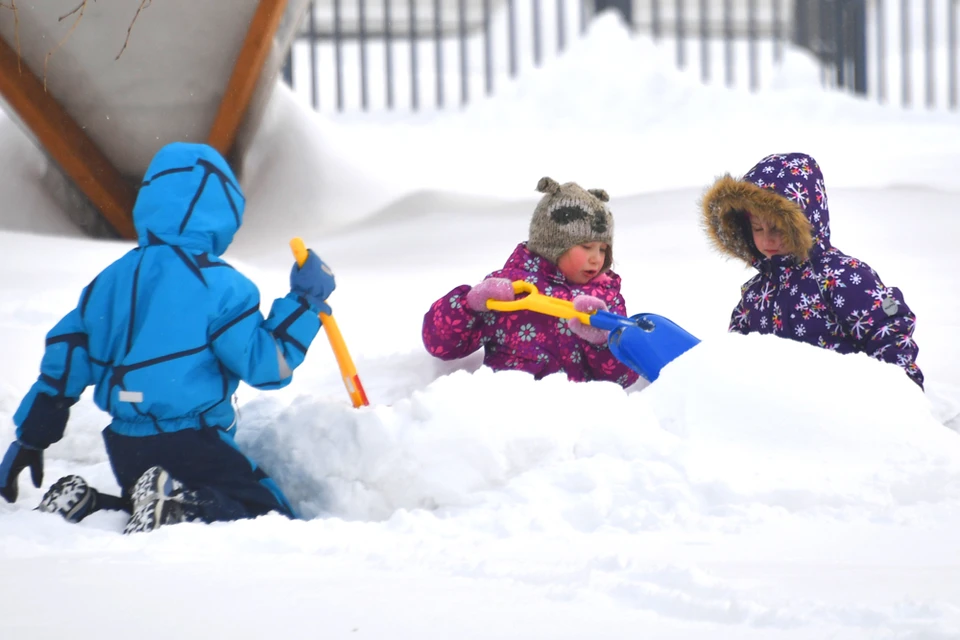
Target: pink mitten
588, 304
490, 289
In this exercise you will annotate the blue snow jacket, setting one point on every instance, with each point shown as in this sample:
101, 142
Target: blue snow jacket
167, 332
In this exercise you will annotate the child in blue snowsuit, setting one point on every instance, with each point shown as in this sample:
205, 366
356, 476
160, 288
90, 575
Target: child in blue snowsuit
165, 334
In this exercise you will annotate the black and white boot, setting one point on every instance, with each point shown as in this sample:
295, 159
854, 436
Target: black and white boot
71, 497
159, 499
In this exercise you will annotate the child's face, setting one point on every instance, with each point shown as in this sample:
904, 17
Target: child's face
582, 263
769, 239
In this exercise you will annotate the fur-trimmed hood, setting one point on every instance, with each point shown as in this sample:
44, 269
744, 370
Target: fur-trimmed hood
783, 190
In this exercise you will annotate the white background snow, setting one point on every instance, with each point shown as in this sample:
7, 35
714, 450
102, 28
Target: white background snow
759, 489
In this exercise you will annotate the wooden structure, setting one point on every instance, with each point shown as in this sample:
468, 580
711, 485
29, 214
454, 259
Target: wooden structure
100, 86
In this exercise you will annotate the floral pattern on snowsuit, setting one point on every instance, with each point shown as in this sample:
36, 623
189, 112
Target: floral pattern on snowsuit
526, 340
830, 299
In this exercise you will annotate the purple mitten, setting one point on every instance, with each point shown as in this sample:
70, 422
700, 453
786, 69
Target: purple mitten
490, 289
588, 304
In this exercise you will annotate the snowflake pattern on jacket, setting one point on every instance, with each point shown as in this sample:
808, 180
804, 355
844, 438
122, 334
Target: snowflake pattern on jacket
815, 294
526, 340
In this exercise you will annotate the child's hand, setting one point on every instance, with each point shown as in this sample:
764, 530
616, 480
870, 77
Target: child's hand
313, 281
588, 304
19, 457
490, 289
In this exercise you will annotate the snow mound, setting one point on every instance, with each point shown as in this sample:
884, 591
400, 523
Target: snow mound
714, 438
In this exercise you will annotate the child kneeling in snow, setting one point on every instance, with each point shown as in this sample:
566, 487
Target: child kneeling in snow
165, 334
776, 219
568, 256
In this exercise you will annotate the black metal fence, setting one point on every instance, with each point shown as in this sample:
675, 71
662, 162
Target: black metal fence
863, 43
432, 54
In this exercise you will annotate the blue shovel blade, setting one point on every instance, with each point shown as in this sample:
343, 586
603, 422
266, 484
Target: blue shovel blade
645, 342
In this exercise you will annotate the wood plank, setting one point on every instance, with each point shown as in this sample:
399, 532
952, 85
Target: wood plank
66, 143
246, 72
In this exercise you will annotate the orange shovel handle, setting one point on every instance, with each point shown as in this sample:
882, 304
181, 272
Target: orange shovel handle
348, 371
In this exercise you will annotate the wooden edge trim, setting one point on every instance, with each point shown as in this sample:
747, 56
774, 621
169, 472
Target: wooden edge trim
66, 142
246, 71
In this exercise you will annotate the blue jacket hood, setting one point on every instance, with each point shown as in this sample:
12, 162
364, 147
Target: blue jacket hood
189, 198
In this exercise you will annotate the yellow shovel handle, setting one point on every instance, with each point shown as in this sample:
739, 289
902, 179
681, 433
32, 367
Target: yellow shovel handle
348, 370
536, 301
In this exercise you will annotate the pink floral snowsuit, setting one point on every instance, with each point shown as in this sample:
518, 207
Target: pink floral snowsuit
526, 340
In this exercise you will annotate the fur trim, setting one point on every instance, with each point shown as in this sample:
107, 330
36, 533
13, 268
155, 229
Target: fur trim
727, 196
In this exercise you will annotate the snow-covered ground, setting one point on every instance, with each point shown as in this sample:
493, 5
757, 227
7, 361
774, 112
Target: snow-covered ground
759, 489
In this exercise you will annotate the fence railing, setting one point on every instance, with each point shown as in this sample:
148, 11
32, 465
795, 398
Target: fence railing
433, 54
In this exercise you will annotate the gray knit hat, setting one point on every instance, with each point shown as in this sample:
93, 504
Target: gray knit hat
569, 215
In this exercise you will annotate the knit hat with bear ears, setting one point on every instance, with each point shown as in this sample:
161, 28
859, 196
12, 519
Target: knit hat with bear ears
569, 215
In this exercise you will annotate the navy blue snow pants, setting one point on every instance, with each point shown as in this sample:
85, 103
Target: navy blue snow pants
229, 485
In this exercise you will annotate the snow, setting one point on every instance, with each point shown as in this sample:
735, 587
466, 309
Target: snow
759, 489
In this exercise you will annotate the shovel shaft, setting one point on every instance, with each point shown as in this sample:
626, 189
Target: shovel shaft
536, 301
348, 371
611, 321
299, 251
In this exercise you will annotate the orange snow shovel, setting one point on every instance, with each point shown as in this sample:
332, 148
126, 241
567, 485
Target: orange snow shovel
347, 369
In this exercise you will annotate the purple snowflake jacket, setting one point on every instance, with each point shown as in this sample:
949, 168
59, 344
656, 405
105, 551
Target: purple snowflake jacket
526, 340
815, 293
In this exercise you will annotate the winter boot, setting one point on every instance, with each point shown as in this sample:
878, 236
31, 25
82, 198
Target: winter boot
71, 497
159, 499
